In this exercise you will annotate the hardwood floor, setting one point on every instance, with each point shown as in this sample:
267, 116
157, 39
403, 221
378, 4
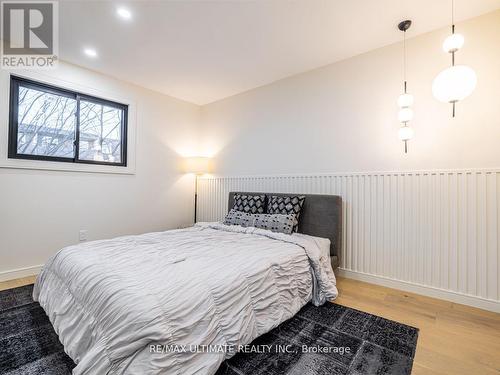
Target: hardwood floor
453, 339
17, 282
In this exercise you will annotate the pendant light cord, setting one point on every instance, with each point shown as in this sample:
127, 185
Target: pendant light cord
404, 60
453, 32
453, 15
453, 29
404, 54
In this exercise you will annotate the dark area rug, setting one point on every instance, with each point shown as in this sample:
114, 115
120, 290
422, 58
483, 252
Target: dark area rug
330, 339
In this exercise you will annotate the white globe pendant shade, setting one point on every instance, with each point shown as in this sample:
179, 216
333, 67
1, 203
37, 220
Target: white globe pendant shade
454, 84
453, 43
405, 100
405, 114
405, 133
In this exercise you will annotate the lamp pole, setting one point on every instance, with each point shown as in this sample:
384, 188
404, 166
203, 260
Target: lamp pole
198, 166
195, 195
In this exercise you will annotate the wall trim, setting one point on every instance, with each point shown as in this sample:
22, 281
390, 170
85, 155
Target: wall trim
409, 172
20, 272
429, 291
438, 230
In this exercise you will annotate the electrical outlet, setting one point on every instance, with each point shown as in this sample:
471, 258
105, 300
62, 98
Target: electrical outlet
83, 235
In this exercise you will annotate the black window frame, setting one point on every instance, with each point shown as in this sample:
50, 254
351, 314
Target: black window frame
16, 81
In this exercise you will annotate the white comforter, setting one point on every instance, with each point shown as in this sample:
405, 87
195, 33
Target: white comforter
211, 284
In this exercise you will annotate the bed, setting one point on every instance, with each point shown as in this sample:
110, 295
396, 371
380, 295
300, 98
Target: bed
155, 303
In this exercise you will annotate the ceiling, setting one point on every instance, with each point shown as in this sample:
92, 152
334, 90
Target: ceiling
203, 51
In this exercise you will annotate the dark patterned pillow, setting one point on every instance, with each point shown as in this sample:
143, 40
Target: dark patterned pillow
275, 222
254, 204
285, 205
235, 217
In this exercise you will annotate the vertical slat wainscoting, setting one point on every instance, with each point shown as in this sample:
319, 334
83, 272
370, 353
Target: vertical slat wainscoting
436, 229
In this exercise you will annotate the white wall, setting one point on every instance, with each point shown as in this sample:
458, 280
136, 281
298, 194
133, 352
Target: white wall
334, 130
43, 210
343, 117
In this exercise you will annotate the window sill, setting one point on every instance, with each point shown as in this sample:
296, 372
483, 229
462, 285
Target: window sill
64, 167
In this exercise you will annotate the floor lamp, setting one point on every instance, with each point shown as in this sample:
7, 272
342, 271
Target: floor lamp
198, 166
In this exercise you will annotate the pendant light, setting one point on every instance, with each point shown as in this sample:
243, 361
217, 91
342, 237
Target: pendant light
405, 100
458, 81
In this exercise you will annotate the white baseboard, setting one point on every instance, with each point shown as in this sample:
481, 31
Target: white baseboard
20, 272
464, 299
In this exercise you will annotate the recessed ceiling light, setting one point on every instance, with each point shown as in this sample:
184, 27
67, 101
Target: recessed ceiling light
124, 13
90, 52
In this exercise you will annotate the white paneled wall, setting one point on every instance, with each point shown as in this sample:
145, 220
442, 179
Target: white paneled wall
431, 229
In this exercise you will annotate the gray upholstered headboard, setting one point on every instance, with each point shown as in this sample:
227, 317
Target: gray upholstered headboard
321, 216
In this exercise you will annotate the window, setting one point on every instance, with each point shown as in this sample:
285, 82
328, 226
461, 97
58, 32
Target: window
53, 124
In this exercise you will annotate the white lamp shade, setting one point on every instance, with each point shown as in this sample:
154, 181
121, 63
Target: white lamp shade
197, 165
405, 100
405, 114
454, 84
405, 133
453, 43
